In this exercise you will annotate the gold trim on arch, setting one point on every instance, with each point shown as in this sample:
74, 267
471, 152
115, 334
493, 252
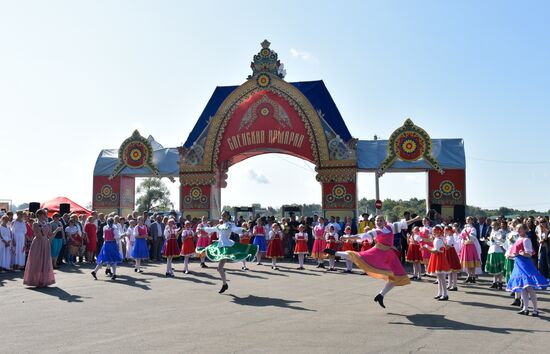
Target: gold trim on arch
291, 94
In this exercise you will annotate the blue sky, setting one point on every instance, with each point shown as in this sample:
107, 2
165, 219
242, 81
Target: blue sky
78, 77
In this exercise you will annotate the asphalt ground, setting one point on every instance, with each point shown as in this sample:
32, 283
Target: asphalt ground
264, 311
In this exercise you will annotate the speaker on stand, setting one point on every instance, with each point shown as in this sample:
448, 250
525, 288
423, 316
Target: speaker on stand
64, 208
33, 207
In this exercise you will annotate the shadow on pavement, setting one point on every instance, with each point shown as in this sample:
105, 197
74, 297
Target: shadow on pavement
60, 294
10, 276
435, 322
130, 281
244, 274
259, 301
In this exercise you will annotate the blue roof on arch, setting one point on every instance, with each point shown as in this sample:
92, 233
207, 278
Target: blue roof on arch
449, 153
315, 91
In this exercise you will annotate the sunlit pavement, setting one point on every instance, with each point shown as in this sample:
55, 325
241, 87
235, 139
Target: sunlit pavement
264, 310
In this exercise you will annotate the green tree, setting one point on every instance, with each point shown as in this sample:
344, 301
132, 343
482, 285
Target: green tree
153, 196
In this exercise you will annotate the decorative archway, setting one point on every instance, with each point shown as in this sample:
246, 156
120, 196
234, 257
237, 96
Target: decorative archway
267, 115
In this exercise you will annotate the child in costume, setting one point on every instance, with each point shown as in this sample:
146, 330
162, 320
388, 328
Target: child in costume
495, 256
187, 245
347, 245
259, 239
140, 250
426, 235
300, 248
525, 277
438, 264
244, 239
203, 239
331, 238
452, 259
109, 253
319, 244
275, 247
171, 248
469, 252
414, 254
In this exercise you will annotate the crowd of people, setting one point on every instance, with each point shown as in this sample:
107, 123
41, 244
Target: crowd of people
514, 251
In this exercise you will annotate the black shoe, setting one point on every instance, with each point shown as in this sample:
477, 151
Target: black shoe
453, 289
473, 281
244, 268
318, 265
94, 275
535, 313
524, 312
493, 286
329, 251
167, 275
414, 277
500, 285
140, 271
185, 272
108, 272
113, 277
516, 302
135, 269
437, 297
435, 282
224, 288
380, 300
443, 298
348, 271
322, 265
332, 269
466, 281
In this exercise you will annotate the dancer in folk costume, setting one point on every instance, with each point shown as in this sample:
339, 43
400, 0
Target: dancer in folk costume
203, 239
495, 256
414, 254
140, 250
39, 268
331, 238
438, 265
131, 234
259, 232
319, 245
525, 277
19, 229
275, 246
300, 248
426, 235
511, 239
226, 249
470, 251
187, 245
347, 245
244, 239
6, 244
452, 258
171, 248
381, 261
109, 253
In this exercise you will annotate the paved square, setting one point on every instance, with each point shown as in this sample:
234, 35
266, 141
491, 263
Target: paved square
269, 311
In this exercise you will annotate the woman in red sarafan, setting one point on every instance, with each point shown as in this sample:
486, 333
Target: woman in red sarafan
301, 245
275, 247
438, 264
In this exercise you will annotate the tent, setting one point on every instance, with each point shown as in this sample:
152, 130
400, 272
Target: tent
53, 206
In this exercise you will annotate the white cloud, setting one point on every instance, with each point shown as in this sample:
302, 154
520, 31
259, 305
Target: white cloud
258, 177
302, 54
